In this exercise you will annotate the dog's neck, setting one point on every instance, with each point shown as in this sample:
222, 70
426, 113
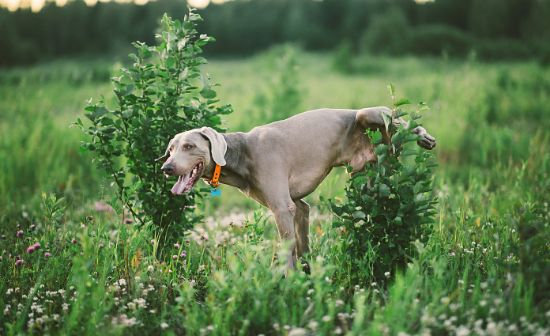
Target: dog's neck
235, 172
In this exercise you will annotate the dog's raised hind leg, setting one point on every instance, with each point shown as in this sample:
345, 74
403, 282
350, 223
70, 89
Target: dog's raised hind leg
373, 117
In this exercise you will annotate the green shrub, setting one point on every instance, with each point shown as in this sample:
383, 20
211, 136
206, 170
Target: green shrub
283, 96
438, 39
285, 92
162, 94
503, 49
387, 34
389, 205
343, 58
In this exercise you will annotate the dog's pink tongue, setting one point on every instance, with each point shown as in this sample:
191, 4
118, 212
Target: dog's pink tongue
178, 188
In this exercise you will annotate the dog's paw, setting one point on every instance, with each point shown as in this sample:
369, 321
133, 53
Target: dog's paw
425, 140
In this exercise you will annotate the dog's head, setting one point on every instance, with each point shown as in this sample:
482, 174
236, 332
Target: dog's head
190, 154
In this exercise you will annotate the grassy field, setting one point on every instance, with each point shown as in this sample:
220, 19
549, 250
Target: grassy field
484, 271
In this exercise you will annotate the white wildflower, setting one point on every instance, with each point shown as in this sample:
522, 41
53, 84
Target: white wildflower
140, 302
492, 328
123, 320
297, 332
313, 325
462, 331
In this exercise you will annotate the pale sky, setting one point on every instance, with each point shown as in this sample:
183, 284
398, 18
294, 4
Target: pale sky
36, 5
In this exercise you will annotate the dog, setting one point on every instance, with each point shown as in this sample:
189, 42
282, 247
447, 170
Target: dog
280, 163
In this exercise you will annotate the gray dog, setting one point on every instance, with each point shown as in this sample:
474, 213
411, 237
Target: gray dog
281, 163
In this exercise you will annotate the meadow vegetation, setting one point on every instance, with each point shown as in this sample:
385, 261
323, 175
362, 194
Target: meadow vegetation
72, 260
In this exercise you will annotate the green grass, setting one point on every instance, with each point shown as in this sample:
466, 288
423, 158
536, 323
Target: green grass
484, 270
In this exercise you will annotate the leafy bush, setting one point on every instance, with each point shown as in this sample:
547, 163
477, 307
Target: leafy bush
389, 204
162, 94
283, 97
387, 34
504, 49
343, 58
437, 39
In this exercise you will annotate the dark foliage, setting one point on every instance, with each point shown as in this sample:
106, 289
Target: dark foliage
242, 27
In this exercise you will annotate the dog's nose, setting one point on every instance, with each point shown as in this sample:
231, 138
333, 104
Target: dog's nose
167, 168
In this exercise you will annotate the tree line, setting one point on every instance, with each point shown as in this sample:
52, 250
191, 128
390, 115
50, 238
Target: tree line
493, 29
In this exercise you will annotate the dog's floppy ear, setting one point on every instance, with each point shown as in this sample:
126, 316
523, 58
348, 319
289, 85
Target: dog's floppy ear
166, 153
218, 146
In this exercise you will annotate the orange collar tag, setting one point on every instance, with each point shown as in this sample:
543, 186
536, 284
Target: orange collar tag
215, 181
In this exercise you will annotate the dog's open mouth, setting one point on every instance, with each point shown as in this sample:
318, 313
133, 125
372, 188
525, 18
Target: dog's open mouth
186, 182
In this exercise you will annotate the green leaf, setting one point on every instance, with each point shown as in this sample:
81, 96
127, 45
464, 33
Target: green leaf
97, 112
375, 136
383, 190
401, 102
208, 93
359, 215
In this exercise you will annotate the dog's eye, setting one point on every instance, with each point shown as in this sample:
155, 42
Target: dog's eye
187, 146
